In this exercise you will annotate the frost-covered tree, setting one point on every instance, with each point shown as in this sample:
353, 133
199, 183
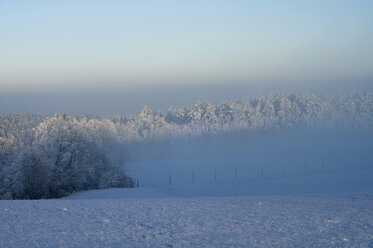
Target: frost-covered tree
63, 159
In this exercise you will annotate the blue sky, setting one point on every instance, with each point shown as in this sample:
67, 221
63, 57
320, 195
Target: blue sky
78, 45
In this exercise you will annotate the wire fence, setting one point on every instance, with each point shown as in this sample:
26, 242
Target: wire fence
255, 172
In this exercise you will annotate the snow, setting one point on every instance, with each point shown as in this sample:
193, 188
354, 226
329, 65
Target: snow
319, 209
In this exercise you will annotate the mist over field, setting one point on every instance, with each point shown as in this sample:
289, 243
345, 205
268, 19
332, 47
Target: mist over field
53, 156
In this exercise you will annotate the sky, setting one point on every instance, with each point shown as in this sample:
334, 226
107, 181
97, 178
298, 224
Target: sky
116, 56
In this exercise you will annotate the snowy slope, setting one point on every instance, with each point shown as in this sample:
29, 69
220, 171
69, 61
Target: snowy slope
277, 211
261, 221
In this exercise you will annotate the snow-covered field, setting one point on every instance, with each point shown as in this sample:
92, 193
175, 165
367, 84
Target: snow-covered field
330, 209
249, 221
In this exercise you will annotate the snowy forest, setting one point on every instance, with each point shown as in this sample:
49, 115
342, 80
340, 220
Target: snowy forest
53, 156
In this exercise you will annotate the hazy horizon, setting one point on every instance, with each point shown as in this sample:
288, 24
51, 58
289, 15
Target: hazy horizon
133, 100
114, 57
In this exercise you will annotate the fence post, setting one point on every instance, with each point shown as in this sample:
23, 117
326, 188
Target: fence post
193, 177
